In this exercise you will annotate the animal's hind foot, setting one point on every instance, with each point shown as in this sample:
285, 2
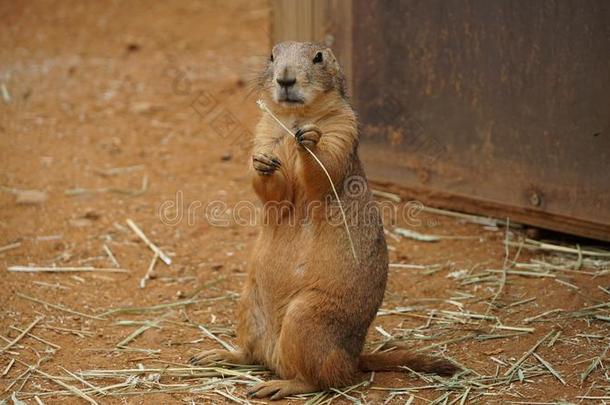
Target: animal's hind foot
278, 389
218, 356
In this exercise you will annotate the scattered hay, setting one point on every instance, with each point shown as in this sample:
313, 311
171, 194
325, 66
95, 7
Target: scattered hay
465, 316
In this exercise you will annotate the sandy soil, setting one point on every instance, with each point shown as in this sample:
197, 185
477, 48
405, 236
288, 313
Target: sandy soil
141, 110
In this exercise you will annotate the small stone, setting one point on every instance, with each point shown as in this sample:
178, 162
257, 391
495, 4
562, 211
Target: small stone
132, 47
92, 215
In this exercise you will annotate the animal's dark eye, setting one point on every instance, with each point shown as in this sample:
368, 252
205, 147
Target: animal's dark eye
318, 58
271, 58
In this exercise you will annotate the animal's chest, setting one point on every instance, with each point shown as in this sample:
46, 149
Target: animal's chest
284, 144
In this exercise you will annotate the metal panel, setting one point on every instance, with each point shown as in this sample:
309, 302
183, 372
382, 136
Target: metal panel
503, 107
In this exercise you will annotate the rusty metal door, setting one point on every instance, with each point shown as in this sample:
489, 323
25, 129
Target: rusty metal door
497, 107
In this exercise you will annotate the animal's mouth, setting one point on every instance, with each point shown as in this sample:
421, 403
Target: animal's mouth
288, 100
289, 97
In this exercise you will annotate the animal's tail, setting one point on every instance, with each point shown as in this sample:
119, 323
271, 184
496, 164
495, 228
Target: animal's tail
393, 360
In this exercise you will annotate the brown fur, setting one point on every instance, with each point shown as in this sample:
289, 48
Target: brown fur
307, 304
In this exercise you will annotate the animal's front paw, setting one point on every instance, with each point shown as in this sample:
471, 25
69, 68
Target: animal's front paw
265, 164
308, 135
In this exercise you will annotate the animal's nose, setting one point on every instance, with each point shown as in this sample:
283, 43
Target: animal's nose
286, 82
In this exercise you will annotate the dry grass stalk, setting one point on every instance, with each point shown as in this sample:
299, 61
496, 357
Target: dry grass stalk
147, 241
25, 375
21, 335
594, 364
264, 107
69, 387
407, 233
153, 308
549, 367
542, 315
53, 345
209, 334
537, 245
8, 368
149, 271
113, 259
142, 329
389, 196
56, 285
85, 382
408, 266
527, 354
10, 246
34, 269
118, 170
80, 333
58, 307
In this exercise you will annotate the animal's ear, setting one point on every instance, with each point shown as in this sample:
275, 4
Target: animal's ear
331, 59
335, 68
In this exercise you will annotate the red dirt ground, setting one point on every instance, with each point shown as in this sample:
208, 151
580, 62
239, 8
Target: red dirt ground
161, 87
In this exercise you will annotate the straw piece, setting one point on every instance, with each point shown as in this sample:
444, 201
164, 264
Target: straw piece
515, 328
468, 217
407, 233
21, 335
152, 308
465, 395
554, 339
53, 345
549, 367
142, 329
118, 170
151, 245
113, 259
6, 95
8, 368
209, 334
390, 196
58, 307
596, 362
534, 244
69, 387
9, 247
34, 269
85, 382
527, 354
149, 271
533, 318
80, 333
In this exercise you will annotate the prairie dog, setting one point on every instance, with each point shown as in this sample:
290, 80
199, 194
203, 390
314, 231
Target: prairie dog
307, 303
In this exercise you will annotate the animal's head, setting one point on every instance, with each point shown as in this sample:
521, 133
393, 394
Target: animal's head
298, 72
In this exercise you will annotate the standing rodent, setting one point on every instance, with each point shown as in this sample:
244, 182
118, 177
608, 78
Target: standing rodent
307, 303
